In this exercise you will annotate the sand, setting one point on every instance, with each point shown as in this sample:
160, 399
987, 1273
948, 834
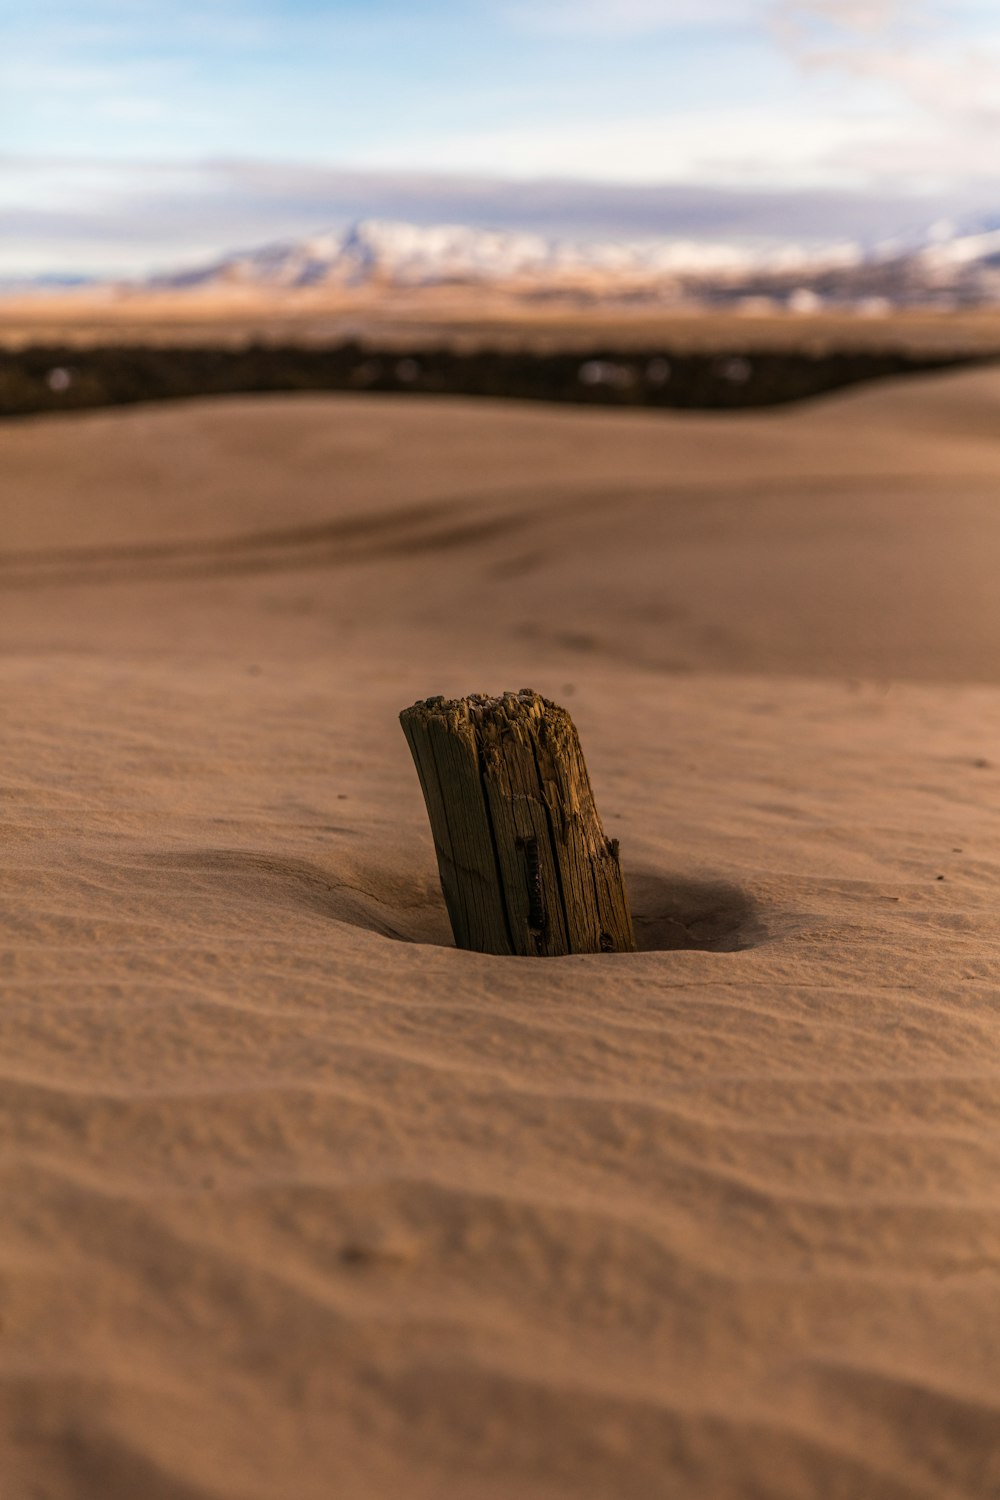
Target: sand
298, 1200
477, 317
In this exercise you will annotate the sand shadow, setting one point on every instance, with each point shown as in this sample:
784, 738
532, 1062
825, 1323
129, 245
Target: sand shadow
395, 903
670, 912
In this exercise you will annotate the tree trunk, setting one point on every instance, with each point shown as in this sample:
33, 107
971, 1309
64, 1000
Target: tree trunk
525, 866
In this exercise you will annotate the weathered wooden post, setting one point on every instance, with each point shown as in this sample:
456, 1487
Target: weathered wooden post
525, 866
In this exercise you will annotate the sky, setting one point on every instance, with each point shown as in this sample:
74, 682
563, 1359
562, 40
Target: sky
137, 134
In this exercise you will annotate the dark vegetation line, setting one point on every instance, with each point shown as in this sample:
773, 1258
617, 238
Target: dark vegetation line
63, 378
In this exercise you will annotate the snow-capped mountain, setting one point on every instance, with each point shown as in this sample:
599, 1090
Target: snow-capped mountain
948, 265
410, 255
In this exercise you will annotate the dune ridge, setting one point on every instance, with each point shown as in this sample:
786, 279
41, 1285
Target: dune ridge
300, 1199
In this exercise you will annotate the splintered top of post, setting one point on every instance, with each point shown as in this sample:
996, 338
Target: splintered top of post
479, 708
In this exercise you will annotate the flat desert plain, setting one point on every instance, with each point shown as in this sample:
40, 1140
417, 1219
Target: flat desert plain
481, 317
300, 1201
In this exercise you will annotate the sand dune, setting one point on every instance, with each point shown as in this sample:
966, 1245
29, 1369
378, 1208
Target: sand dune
299, 1200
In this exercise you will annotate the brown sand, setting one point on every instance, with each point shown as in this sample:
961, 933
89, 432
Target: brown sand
473, 318
299, 1203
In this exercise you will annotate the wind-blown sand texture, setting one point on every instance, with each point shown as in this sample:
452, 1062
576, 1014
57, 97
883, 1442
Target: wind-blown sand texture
298, 1200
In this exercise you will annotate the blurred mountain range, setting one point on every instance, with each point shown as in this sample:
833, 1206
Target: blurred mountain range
949, 265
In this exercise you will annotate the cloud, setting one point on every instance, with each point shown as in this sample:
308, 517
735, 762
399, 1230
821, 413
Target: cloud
963, 87
723, 145
864, 16
140, 24
635, 17
938, 64
628, 17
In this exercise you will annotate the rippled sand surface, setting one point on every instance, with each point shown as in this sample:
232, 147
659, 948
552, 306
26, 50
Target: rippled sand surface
298, 1201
